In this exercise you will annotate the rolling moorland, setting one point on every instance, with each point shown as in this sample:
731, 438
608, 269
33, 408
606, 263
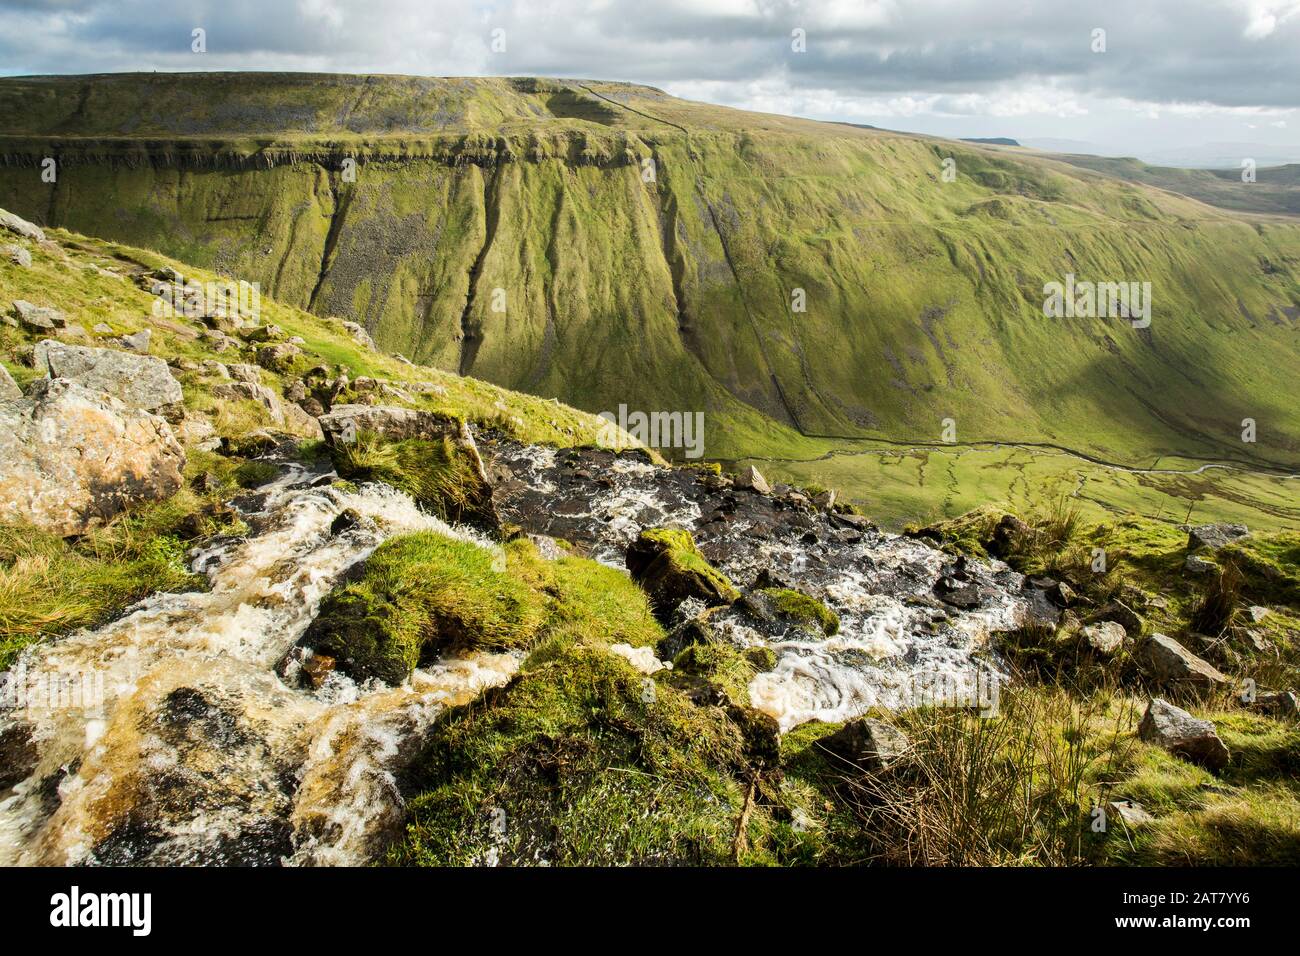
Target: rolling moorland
646, 250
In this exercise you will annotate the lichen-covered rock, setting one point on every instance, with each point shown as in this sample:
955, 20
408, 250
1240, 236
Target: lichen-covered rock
71, 457
669, 566
18, 255
1104, 637
1214, 536
1168, 663
1183, 735
138, 381
39, 318
278, 357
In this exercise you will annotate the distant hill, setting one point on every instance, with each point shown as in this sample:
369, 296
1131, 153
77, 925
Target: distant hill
610, 244
991, 140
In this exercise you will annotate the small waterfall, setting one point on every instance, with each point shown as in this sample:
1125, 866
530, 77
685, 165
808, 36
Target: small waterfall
191, 749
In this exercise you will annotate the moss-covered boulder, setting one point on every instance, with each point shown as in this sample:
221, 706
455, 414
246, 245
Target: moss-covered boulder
582, 760
792, 607
669, 566
421, 595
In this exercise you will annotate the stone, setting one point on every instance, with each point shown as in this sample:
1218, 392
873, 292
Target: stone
316, 668
752, 479
1105, 637
138, 381
867, 744
359, 334
299, 421
137, 341
38, 318
279, 357
21, 227
1132, 814
825, 500
1195, 564
8, 387
1175, 730
18, 255
1214, 536
1168, 663
242, 372
102, 328
215, 369
344, 422
1281, 703
669, 567
72, 456
1121, 614
237, 391
1256, 613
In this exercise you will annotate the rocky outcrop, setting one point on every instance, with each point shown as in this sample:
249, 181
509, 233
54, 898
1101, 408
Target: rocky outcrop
1183, 735
1168, 664
343, 423
138, 381
38, 318
71, 457
1214, 536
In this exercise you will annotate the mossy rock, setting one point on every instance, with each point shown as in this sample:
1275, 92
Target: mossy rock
582, 760
667, 563
421, 595
803, 609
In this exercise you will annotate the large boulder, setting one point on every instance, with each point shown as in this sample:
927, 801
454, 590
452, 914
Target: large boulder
867, 744
1169, 664
138, 381
1183, 735
1214, 536
71, 457
344, 423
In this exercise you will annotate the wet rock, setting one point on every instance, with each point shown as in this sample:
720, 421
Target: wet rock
346, 520
751, 479
867, 744
1168, 663
37, 318
1214, 536
138, 381
71, 457
963, 594
316, 668
18, 752
1105, 638
1183, 735
669, 566
21, 227
696, 630
1008, 536
18, 255
8, 387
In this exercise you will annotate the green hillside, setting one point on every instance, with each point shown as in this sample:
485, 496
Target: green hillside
674, 291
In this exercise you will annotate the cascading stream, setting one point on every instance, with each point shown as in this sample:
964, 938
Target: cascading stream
190, 749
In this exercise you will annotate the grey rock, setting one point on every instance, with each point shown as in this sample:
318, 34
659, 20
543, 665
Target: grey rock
1214, 536
72, 456
1195, 564
1282, 703
1132, 814
39, 318
138, 381
21, 227
1175, 730
137, 341
1105, 637
359, 334
8, 387
278, 357
344, 422
867, 744
1168, 663
18, 255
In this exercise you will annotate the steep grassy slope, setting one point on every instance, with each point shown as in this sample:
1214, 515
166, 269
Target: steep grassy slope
510, 229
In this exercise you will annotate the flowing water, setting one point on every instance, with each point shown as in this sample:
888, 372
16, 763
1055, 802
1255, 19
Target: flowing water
189, 748
189, 739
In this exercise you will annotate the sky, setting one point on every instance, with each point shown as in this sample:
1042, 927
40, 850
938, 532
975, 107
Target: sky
1165, 80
